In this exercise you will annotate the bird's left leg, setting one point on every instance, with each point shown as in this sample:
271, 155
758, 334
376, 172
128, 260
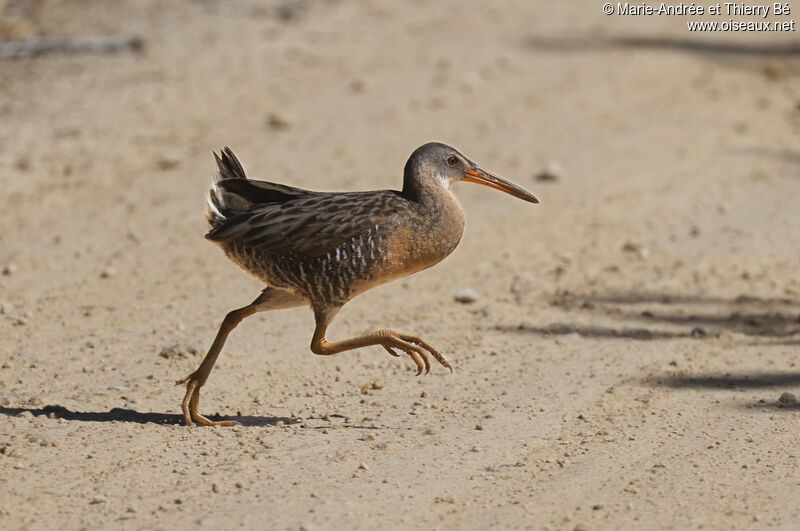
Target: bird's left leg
415, 347
270, 299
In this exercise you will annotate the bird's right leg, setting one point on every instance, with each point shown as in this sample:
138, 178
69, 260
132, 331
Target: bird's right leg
415, 347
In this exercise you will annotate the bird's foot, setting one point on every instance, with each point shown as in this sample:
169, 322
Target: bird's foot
417, 349
191, 405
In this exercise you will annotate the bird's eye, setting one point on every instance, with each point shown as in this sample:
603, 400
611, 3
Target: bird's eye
451, 160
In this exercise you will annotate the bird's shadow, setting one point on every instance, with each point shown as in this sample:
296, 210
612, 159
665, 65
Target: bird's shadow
129, 415
666, 44
599, 332
649, 316
775, 61
732, 382
758, 380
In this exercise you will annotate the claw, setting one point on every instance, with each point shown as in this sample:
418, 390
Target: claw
391, 351
418, 360
191, 406
435, 353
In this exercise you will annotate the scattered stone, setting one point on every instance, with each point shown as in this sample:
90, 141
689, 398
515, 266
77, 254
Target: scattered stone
788, 398
773, 72
698, 332
357, 86
551, 172
25, 414
8, 450
9, 269
377, 384
107, 272
635, 248
22, 164
179, 351
465, 295
6, 308
479, 427
289, 9
167, 164
98, 499
277, 122
363, 466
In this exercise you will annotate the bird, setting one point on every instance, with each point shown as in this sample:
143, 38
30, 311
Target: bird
322, 249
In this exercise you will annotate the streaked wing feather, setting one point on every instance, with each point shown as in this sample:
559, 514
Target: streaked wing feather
310, 225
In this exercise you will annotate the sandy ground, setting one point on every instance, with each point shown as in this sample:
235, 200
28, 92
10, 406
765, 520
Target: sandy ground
621, 368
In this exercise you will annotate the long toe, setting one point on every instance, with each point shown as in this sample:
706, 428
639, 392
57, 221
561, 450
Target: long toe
203, 421
427, 346
191, 408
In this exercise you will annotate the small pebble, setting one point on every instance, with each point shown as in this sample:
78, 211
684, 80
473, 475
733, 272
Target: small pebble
178, 351
98, 499
479, 427
277, 122
635, 248
6, 308
107, 272
363, 466
698, 332
788, 398
551, 172
10, 269
167, 164
465, 295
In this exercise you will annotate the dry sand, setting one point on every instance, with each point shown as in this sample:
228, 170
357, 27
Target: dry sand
620, 370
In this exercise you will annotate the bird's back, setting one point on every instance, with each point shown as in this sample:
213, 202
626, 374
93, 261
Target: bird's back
325, 246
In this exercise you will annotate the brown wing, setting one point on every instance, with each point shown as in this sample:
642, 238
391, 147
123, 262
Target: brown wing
310, 225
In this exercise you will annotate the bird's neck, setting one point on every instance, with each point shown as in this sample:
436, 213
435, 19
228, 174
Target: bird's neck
440, 217
427, 195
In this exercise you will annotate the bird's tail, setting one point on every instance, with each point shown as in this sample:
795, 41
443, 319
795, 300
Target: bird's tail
222, 204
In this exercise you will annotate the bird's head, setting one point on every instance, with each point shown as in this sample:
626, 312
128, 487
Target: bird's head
441, 165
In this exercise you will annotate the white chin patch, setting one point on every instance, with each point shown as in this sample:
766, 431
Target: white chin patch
444, 182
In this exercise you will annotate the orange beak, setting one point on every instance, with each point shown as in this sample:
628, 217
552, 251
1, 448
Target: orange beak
477, 175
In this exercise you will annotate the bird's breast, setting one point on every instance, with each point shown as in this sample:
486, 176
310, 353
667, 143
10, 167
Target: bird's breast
415, 241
